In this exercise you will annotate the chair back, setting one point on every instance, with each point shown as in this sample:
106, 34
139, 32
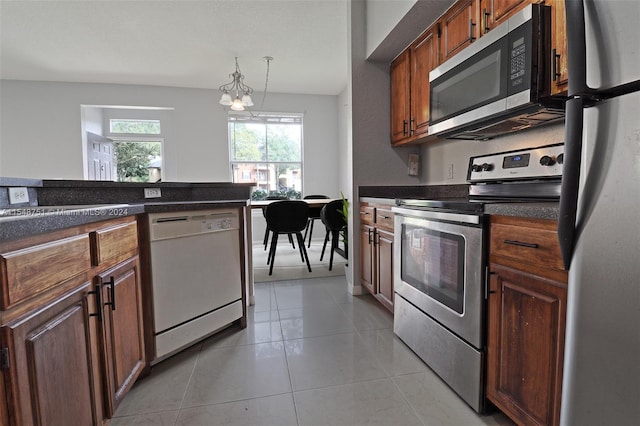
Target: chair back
314, 211
331, 216
272, 197
287, 216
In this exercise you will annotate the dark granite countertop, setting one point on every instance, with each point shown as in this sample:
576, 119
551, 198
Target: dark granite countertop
534, 210
22, 222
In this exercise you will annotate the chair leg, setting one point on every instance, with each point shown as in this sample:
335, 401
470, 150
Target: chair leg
306, 228
303, 250
291, 241
335, 235
324, 246
266, 237
310, 231
272, 252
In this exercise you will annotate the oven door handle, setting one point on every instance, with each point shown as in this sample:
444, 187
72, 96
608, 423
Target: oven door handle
438, 215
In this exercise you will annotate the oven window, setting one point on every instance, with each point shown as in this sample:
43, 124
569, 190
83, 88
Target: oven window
433, 262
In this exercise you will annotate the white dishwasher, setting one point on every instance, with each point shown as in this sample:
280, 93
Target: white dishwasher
196, 276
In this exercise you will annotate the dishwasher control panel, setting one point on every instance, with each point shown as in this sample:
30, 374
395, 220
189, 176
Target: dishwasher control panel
164, 226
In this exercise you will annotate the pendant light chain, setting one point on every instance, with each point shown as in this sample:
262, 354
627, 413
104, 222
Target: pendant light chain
268, 59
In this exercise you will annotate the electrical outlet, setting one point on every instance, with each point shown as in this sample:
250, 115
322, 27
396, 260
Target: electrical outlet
450, 171
18, 195
152, 193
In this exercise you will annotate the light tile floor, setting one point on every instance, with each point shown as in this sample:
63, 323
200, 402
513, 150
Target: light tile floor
311, 354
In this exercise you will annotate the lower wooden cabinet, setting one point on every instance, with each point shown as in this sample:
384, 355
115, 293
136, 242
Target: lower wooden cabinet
376, 252
122, 330
52, 372
71, 350
526, 320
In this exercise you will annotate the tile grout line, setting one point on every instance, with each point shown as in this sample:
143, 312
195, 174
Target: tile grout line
186, 389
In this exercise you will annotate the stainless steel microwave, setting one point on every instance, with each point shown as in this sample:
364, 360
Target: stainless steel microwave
499, 84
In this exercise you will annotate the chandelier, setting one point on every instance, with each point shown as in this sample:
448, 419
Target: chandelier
241, 90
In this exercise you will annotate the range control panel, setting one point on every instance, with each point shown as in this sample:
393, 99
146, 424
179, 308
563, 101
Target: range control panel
532, 163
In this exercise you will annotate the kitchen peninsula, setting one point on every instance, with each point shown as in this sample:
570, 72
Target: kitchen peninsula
76, 301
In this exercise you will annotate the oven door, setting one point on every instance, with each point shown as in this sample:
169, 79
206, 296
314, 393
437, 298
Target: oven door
439, 258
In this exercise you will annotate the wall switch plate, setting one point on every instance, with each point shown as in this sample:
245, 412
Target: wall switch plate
18, 195
152, 193
450, 171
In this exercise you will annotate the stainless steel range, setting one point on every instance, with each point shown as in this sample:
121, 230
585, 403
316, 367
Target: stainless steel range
440, 263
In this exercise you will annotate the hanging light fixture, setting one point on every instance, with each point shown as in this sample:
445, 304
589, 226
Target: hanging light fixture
241, 91
239, 88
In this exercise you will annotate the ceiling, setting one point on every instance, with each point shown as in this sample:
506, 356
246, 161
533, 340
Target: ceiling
177, 43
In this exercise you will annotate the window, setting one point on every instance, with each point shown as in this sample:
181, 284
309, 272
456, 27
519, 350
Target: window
267, 150
137, 150
144, 127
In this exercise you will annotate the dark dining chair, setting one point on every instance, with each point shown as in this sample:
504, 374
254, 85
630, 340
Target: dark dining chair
287, 217
331, 216
314, 213
264, 210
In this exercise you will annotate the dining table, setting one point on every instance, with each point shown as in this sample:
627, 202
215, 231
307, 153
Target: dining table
258, 204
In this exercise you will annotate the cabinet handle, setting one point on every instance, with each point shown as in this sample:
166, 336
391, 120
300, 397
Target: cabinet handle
97, 292
471, 25
370, 239
404, 127
485, 17
376, 242
554, 63
364, 213
412, 126
112, 303
520, 243
384, 217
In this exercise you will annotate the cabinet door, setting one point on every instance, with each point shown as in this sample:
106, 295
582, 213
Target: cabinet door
53, 375
525, 345
384, 268
400, 97
559, 66
122, 329
367, 277
495, 12
424, 58
459, 28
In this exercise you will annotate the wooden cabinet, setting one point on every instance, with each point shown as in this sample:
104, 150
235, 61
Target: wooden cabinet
410, 88
122, 331
495, 12
52, 373
526, 320
459, 26
559, 65
376, 252
400, 97
71, 323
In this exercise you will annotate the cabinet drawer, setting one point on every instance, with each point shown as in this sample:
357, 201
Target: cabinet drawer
114, 244
31, 271
384, 219
531, 245
367, 214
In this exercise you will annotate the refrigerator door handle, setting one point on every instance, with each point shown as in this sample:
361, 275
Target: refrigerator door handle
570, 178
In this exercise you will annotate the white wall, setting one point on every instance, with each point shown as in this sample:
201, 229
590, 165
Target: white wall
41, 133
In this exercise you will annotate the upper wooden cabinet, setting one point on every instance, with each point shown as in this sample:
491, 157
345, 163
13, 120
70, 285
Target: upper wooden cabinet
410, 88
559, 66
459, 26
400, 97
495, 12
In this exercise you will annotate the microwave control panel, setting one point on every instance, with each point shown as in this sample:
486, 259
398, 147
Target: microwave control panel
533, 163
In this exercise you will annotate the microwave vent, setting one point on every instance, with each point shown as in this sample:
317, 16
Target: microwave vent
486, 130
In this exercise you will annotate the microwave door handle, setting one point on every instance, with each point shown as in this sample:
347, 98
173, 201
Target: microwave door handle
570, 179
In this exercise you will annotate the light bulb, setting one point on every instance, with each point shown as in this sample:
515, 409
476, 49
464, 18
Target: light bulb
237, 105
